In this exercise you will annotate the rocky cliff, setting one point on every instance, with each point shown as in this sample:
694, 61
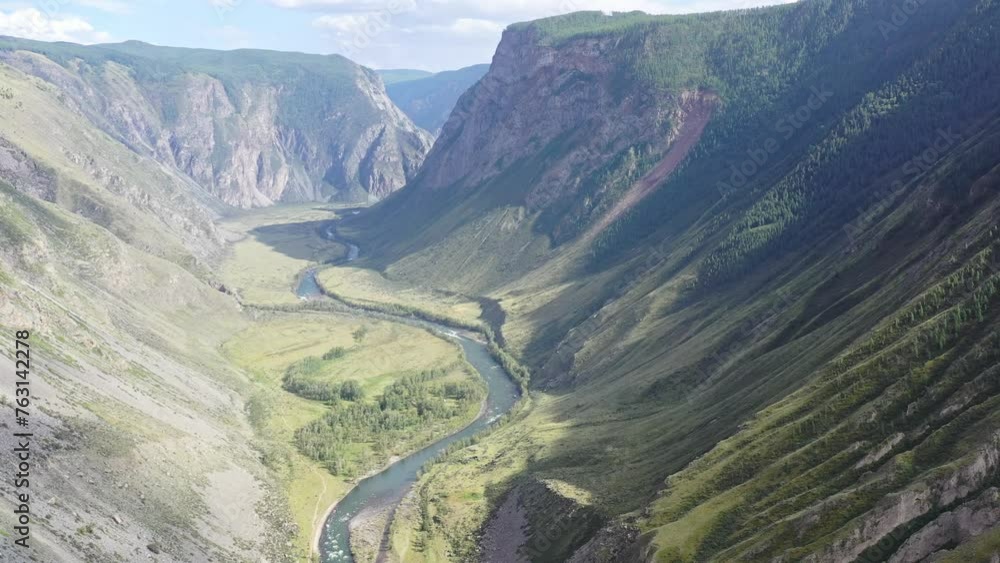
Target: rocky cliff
252, 127
566, 100
552, 138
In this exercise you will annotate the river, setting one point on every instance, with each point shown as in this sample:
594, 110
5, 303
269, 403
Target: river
390, 486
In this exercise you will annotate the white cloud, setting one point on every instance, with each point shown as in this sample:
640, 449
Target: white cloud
531, 9
33, 24
469, 26
341, 23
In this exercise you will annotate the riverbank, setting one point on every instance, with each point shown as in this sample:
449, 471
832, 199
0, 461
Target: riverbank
392, 484
318, 532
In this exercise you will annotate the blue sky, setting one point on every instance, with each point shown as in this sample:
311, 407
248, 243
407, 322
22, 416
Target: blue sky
426, 34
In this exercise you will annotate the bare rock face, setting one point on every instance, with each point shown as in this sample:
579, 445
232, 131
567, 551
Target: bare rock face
525, 157
290, 133
954, 527
20, 171
617, 542
538, 99
976, 513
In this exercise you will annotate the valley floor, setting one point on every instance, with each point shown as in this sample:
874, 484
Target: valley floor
263, 266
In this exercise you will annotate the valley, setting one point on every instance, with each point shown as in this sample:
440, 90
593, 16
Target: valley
646, 289
376, 352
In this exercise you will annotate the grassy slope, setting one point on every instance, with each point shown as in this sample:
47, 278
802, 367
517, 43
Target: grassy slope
123, 383
489, 236
830, 338
647, 352
134, 381
96, 177
275, 246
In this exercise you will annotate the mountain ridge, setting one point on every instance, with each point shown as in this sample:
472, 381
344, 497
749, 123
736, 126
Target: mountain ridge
429, 100
750, 258
252, 127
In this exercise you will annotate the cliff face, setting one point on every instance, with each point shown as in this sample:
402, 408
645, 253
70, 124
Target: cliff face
252, 128
538, 97
537, 152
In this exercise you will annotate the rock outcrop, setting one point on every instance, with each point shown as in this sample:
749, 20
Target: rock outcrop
537, 96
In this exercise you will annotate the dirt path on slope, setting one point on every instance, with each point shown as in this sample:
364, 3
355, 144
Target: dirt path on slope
319, 500
698, 113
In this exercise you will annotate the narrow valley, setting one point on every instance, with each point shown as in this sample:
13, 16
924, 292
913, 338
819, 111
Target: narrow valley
648, 287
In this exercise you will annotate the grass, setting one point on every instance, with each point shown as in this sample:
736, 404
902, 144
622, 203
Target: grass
608, 421
662, 375
368, 287
386, 350
380, 353
454, 497
108, 256
982, 548
265, 270
278, 244
145, 349
127, 419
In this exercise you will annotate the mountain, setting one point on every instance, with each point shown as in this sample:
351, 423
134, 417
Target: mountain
750, 259
429, 100
135, 413
394, 75
253, 128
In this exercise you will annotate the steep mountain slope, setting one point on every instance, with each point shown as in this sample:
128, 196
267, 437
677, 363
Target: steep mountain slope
428, 100
251, 127
750, 258
140, 445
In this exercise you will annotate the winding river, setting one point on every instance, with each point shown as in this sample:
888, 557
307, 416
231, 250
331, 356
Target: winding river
389, 487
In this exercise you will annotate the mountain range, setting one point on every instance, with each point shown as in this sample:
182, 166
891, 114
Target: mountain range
253, 128
747, 260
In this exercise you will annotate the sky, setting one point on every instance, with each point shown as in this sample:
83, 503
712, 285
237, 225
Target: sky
430, 35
